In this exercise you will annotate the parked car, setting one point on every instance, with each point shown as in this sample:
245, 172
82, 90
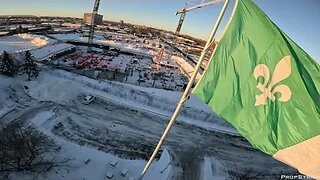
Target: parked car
88, 99
26, 89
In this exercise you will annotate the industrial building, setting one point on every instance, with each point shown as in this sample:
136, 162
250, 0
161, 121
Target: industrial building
87, 17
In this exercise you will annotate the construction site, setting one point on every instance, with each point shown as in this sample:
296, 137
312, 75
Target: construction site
105, 93
164, 61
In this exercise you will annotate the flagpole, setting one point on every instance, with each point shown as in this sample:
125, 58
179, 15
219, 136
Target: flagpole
188, 88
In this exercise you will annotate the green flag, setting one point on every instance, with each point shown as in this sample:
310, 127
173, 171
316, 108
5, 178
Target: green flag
266, 87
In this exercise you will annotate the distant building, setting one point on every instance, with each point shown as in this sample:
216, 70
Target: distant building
87, 17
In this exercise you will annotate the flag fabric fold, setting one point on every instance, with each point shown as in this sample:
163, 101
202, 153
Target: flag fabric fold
267, 88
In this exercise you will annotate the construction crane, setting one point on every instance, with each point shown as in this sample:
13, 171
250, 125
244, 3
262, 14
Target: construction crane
92, 25
184, 11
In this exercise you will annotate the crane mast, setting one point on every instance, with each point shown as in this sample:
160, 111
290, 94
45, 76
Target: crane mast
92, 25
181, 20
183, 13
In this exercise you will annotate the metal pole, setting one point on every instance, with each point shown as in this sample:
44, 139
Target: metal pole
92, 25
186, 92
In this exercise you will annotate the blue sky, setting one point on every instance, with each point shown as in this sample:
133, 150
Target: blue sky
298, 18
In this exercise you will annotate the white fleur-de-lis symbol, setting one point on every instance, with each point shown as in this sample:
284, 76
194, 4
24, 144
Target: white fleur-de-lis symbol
281, 72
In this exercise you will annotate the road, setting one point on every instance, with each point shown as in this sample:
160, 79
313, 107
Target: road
133, 134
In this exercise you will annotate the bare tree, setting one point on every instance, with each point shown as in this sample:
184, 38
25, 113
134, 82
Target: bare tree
25, 149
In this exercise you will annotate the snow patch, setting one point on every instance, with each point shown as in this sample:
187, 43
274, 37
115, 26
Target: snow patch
23, 42
15, 43
6, 102
41, 118
35, 39
57, 90
213, 169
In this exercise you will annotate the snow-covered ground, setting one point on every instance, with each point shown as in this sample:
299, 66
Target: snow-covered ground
55, 89
61, 87
124, 123
23, 42
158, 101
44, 52
59, 90
100, 163
15, 43
185, 66
36, 39
133, 47
213, 169
6, 103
